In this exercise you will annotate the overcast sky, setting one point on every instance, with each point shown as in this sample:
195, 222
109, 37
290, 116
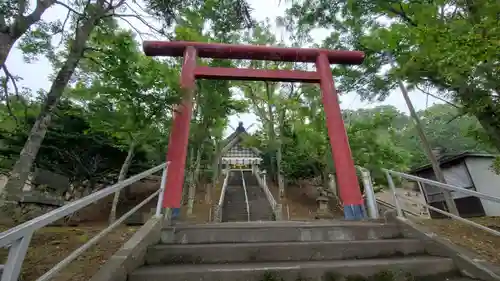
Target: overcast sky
35, 75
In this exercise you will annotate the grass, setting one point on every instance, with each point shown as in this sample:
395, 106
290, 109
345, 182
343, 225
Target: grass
483, 243
50, 245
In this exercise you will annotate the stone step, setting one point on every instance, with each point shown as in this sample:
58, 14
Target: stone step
235, 207
279, 232
299, 270
281, 251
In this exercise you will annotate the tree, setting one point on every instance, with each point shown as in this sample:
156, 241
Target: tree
266, 99
85, 23
127, 94
15, 21
213, 101
71, 149
445, 128
446, 46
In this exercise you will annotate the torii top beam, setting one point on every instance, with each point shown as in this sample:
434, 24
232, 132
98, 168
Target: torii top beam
250, 52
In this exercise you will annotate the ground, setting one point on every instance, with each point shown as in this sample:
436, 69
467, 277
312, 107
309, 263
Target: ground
52, 244
300, 203
483, 243
202, 210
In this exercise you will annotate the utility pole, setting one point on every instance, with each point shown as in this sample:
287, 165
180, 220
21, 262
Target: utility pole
450, 203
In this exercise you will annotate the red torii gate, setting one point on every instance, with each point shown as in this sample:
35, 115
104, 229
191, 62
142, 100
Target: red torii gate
346, 172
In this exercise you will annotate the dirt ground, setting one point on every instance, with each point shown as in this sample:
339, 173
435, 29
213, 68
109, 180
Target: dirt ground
483, 243
300, 203
202, 210
52, 244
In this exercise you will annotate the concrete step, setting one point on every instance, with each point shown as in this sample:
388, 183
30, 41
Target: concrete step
234, 215
282, 251
279, 232
235, 202
260, 209
298, 270
234, 208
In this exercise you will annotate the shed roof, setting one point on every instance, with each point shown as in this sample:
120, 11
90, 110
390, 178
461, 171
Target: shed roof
450, 158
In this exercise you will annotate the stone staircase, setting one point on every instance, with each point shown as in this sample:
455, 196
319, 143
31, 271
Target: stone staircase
235, 207
260, 209
291, 251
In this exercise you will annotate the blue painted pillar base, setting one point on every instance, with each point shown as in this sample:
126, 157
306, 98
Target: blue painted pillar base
354, 212
175, 213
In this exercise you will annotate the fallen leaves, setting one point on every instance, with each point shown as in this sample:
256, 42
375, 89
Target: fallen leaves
483, 243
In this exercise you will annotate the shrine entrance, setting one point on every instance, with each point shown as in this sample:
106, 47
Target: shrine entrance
347, 180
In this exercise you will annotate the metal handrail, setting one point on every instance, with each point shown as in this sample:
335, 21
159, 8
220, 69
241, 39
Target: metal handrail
220, 205
399, 211
224, 188
391, 206
275, 206
268, 193
446, 186
246, 195
370, 193
19, 237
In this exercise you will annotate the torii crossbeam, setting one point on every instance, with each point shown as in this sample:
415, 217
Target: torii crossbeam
345, 171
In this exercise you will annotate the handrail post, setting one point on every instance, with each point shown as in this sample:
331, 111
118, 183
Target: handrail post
370, 193
246, 194
393, 188
277, 208
421, 188
162, 191
15, 259
219, 206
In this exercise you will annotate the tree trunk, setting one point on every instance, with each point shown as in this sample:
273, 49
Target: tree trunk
332, 184
9, 34
6, 43
24, 164
448, 197
123, 173
272, 134
189, 178
194, 180
279, 153
491, 126
215, 173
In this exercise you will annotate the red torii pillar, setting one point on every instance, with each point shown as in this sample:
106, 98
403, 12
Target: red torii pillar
346, 172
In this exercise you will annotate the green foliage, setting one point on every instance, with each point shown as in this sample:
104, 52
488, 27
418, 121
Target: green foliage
127, 94
232, 14
37, 41
445, 128
450, 47
69, 147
